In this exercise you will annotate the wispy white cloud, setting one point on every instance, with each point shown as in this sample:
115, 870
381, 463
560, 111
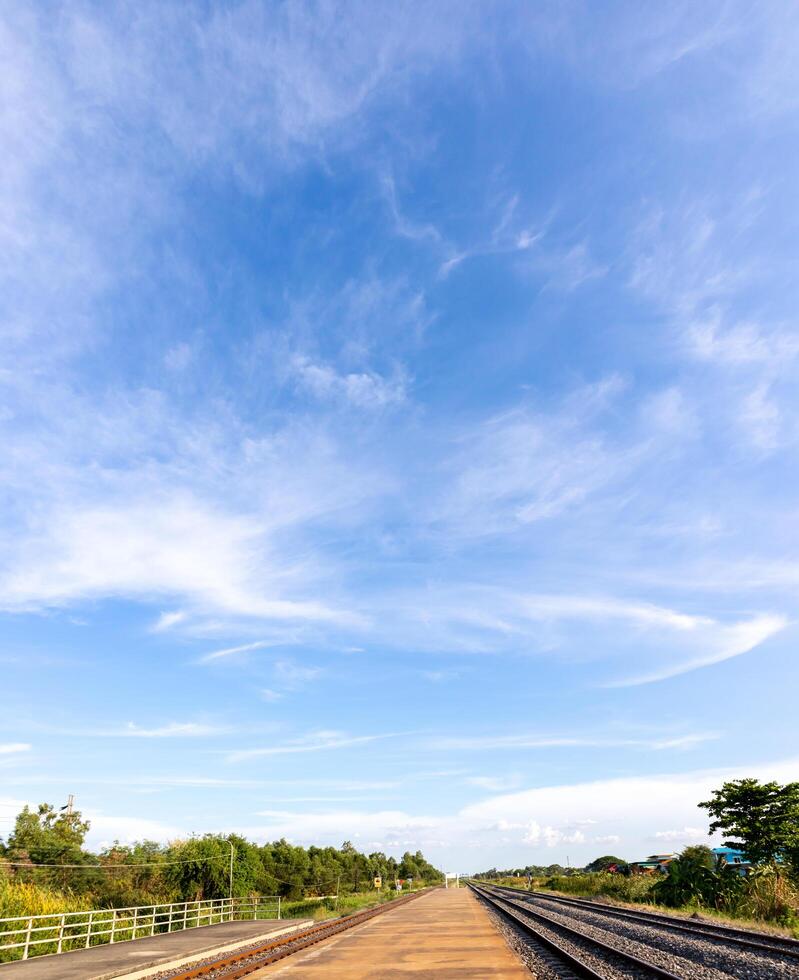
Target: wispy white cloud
535, 740
728, 641
522, 467
174, 729
495, 784
684, 836
439, 676
404, 226
167, 620
293, 674
597, 607
226, 652
146, 550
477, 619
12, 748
315, 742
364, 389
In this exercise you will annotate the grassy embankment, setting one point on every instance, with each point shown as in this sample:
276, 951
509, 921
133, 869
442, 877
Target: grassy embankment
768, 906
329, 908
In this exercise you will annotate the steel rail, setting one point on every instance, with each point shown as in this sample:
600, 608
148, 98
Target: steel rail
255, 958
573, 962
782, 945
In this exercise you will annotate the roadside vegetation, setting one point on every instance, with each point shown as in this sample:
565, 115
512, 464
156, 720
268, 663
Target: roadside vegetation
45, 868
759, 819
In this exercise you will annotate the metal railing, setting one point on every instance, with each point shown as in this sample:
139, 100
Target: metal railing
30, 935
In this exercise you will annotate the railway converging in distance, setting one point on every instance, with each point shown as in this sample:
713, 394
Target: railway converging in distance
476, 930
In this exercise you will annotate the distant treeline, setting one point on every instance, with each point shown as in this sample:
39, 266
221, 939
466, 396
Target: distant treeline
46, 849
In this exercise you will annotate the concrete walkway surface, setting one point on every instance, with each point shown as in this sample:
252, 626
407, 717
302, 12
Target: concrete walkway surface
136, 957
444, 935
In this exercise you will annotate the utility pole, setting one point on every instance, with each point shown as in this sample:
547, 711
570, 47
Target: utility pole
70, 804
230, 875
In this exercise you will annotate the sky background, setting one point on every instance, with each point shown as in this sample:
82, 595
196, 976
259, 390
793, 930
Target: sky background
399, 419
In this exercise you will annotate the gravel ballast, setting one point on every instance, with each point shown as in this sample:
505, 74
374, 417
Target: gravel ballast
685, 955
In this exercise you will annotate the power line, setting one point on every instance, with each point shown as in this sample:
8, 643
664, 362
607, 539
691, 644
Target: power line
105, 867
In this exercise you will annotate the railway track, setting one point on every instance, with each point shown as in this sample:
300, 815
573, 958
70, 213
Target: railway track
742, 938
575, 953
615, 942
247, 960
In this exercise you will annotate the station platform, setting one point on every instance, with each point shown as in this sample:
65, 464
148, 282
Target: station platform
445, 935
136, 958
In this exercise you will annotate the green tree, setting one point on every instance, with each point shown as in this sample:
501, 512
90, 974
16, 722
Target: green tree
760, 819
52, 837
699, 856
201, 867
604, 862
48, 836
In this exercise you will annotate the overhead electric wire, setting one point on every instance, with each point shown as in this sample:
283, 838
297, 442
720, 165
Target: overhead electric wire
101, 867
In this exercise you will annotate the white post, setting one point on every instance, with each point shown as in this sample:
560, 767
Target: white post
61, 933
278, 906
89, 930
27, 939
113, 925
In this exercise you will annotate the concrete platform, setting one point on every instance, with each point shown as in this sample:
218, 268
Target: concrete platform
136, 957
442, 936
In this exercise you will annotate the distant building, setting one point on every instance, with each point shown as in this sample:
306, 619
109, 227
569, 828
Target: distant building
730, 856
654, 864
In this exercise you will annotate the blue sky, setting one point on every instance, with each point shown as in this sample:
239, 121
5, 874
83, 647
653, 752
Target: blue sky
399, 419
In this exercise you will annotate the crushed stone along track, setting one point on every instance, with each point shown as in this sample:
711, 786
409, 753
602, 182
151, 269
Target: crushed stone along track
688, 953
576, 953
743, 938
249, 959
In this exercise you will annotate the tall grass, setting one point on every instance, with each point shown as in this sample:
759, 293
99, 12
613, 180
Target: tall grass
765, 897
635, 888
24, 898
771, 898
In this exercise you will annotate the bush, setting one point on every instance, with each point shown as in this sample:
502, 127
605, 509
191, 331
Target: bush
770, 896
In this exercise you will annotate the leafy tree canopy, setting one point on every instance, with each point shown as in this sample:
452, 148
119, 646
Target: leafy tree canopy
604, 862
48, 836
196, 868
761, 819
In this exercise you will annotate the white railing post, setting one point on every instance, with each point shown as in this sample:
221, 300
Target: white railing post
278, 906
113, 925
28, 939
89, 929
61, 922
135, 922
